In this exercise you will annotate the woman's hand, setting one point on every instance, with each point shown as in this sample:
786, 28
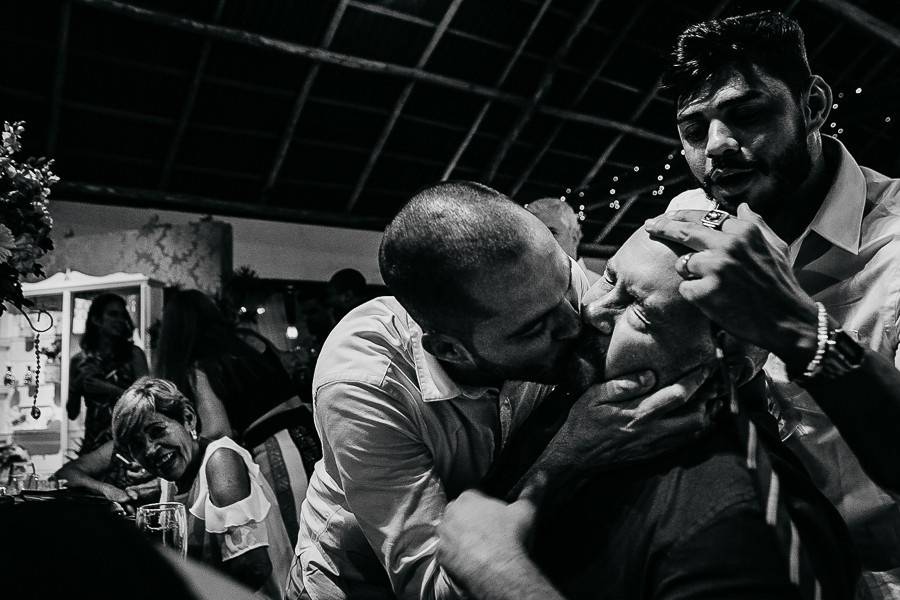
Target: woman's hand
148, 491
114, 494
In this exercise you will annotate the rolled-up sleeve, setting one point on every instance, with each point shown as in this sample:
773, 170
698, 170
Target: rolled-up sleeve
389, 481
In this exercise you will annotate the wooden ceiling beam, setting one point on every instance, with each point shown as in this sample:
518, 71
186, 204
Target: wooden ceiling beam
638, 112
219, 172
501, 80
189, 102
863, 20
631, 199
75, 191
290, 127
439, 32
596, 250
642, 106
585, 88
59, 75
540, 58
357, 63
543, 87
611, 147
254, 133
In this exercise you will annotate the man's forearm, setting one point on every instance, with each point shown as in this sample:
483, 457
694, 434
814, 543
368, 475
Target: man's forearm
864, 405
515, 580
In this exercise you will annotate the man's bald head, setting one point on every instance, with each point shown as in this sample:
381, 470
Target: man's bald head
448, 237
654, 327
562, 221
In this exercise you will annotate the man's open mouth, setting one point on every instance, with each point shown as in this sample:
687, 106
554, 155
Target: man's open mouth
732, 181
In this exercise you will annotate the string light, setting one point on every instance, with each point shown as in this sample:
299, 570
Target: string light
858, 91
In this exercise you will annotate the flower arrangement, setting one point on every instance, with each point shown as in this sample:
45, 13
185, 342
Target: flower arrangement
25, 222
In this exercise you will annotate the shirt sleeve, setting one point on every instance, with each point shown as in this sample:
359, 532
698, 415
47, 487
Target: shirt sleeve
239, 539
735, 556
389, 481
694, 199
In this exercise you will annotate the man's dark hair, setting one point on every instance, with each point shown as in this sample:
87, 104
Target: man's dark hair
767, 39
447, 235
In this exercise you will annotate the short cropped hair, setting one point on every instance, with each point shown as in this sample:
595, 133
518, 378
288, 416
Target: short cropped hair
444, 237
146, 396
768, 40
549, 208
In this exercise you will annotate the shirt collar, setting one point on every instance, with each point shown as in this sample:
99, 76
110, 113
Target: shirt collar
839, 219
434, 382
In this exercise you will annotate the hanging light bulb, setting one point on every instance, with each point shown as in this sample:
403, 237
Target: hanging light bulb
291, 333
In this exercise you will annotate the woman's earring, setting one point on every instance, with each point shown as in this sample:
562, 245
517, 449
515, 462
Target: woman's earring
194, 433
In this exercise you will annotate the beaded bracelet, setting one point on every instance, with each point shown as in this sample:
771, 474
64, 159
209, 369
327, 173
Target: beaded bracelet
815, 365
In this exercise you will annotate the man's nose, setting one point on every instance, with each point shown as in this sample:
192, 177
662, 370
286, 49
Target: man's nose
721, 140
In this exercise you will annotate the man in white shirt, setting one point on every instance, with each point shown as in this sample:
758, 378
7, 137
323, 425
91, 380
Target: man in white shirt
807, 266
415, 395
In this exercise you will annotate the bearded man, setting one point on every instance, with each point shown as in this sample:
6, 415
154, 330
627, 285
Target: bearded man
807, 266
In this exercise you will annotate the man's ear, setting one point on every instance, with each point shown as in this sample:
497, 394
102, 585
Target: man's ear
818, 104
447, 348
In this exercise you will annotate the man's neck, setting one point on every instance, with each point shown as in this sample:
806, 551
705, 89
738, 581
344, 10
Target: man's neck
794, 214
470, 378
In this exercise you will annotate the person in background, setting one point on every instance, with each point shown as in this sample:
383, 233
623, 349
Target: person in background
234, 523
230, 382
106, 365
563, 223
344, 291
806, 265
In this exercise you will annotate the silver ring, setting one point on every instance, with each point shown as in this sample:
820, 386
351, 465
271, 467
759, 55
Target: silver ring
684, 270
714, 219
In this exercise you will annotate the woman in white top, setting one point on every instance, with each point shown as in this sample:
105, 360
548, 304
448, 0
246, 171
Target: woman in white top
233, 519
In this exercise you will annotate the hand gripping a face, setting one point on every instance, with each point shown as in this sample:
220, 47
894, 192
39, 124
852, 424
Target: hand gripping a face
625, 419
739, 275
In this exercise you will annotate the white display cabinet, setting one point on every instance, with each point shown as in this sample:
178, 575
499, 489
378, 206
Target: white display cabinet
52, 438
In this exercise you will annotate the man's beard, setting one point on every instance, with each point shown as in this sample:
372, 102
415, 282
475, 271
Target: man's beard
549, 373
788, 171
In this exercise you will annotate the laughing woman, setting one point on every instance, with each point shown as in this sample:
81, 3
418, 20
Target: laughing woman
233, 519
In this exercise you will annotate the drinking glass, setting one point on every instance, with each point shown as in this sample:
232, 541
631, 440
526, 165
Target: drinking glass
165, 523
